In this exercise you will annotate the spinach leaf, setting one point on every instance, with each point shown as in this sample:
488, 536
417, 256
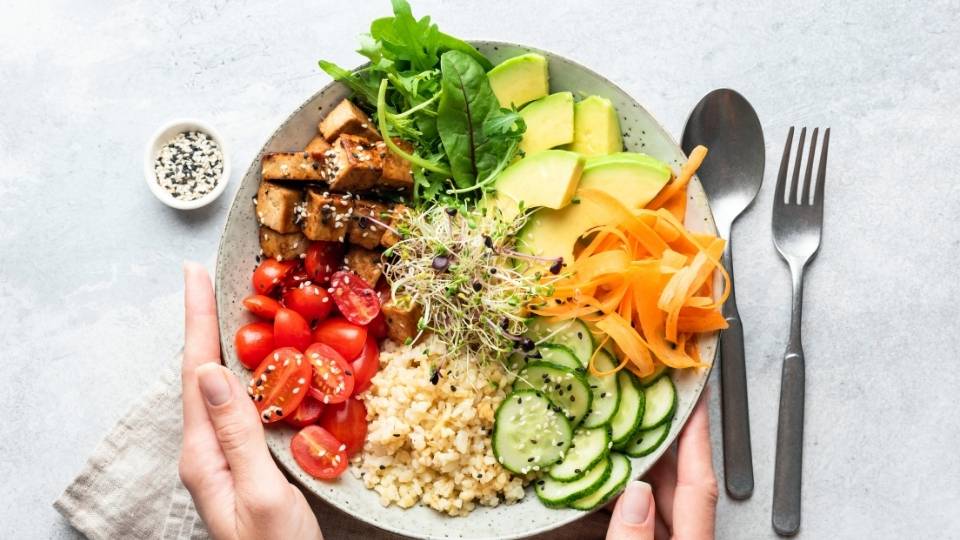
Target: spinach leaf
477, 136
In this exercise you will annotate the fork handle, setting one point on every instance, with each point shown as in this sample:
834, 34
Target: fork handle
787, 474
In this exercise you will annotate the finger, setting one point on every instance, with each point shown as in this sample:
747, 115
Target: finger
238, 429
696, 483
201, 342
634, 517
663, 478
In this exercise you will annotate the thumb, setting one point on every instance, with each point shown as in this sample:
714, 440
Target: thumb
237, 426
633, 517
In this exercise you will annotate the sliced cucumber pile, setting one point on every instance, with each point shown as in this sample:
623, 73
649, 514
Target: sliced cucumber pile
572, 334
528, 433
576, 428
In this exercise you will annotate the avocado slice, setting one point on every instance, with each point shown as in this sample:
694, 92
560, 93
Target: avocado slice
596, 128
519, 80
549, 122
547, 178
634, 179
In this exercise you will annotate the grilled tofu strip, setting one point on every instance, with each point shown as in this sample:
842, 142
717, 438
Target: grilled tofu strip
364, 231
282, 246
397, 173
390, 238
326, 216
353, 164
347, 118
365, 263
317, 145
277, 207
302, 166
402, 318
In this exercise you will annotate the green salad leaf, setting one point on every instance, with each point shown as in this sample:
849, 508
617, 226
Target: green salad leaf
414, 98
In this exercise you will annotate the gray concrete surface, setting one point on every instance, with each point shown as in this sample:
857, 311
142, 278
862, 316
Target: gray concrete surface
90, 284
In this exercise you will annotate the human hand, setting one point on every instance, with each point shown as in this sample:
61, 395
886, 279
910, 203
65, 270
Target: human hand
224, 463
683, 501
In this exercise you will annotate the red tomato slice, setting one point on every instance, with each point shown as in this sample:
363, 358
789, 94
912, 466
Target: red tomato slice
366, 365
254, 342
312, 301
357, 301
307, 413
347, 422
345, 338
271, 273
279, 384
318, 453
295, 279
322, 260
290, 329
332, 375
261, 306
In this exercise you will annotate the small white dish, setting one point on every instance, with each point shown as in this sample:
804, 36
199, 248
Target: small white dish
160, 138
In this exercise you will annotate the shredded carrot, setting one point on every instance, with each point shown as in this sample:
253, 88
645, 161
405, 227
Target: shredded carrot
644, 281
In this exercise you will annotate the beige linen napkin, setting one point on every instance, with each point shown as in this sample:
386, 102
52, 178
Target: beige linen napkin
130, 487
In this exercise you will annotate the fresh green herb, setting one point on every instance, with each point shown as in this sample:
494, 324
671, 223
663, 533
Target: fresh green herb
403, 85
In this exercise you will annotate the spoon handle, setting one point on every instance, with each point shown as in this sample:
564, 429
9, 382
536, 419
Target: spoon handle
737, 453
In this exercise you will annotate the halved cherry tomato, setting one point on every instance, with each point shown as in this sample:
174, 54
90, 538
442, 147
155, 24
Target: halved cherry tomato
295, 279
366, 365
332, 375
279, 384
271, 273
318, 453
346, 338
307, 413
312, 301
378, 326
254, 342
347, 422
290, 329
322, 260
261, 306
357, 301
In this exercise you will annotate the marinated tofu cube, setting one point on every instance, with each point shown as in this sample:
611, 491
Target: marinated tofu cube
282, 246
353, 164
365, 226
347, 118
326, 216
302, 166
397, 173
365, 263
277, 207
317, 145
389, 237
401, 318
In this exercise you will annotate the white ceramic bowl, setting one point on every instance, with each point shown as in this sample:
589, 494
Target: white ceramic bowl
236, 258
161, 137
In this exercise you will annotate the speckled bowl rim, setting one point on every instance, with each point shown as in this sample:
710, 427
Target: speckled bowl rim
681, 416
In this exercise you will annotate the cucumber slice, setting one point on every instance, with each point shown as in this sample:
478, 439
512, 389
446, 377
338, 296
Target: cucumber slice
619, 474
559, 355
627, 419
572, 334
565, 388
555, 494
605, 390
528, 434
589, 447
647, 441
652, 378
661, 400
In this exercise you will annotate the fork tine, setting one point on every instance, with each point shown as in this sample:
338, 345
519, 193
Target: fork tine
782, 175
805, 194
822, 171
796, 169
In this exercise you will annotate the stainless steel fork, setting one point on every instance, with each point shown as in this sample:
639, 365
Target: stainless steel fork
796, 233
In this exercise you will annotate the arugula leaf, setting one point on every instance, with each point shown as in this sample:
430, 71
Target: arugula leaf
476, 134
353, 81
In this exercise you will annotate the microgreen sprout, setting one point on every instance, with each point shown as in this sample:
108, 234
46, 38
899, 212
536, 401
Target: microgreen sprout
462, 268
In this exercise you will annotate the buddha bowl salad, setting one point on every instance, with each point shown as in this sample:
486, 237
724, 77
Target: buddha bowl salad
466, 286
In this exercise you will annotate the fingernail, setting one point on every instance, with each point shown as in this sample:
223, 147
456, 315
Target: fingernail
636, 503
214, 384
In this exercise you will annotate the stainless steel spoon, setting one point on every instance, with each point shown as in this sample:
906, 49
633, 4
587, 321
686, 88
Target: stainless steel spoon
731, 174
